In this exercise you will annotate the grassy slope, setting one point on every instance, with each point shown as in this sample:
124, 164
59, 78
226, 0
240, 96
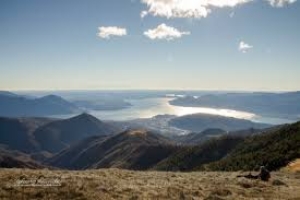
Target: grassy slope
293, 166
122, 184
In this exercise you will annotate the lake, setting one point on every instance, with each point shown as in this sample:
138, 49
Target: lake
150, 107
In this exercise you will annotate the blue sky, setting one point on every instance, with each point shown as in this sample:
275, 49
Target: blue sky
55, 45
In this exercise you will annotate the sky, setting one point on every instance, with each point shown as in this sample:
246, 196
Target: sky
251, 45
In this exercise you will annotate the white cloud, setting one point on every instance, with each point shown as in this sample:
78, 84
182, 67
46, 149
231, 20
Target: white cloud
280, 3
244, 47
187, 8
107, 32
164, 32
144, 13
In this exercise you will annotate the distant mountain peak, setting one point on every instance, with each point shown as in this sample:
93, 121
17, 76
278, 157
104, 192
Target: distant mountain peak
7, 93
85, 114
52, 97
85, 117
57, 135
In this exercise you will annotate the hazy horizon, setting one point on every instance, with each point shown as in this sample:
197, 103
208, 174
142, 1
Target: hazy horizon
146, 90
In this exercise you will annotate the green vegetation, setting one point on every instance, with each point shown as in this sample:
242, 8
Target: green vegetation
274, 149
189, 158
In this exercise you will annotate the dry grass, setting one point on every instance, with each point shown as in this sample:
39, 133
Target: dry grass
123, 184
294, 166
141, 133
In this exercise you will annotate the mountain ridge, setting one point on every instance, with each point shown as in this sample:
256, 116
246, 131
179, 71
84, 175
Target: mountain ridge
13, 105
127, 149
202, 122
59, 134
274, 148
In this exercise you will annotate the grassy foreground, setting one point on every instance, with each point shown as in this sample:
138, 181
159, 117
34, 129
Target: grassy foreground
123, 184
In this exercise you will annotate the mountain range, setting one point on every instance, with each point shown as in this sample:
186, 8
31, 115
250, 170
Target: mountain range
17, 133
33, 135
146, 150
13, 105
57, 135
131, 149
85, 142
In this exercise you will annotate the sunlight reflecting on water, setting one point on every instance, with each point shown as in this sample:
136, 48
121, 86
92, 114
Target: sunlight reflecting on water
150, 107
180, 111
147, 108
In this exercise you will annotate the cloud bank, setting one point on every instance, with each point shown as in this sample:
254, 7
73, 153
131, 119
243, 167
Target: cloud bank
164, 32
107, 32
244, 47
280, 3
186, 8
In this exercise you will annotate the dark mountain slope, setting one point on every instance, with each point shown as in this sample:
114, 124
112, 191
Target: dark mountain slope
191, 157
199, 138
58, 135
135, 149
201, 122
16, 133
15, 159
12, 105
275, 148
67, 158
